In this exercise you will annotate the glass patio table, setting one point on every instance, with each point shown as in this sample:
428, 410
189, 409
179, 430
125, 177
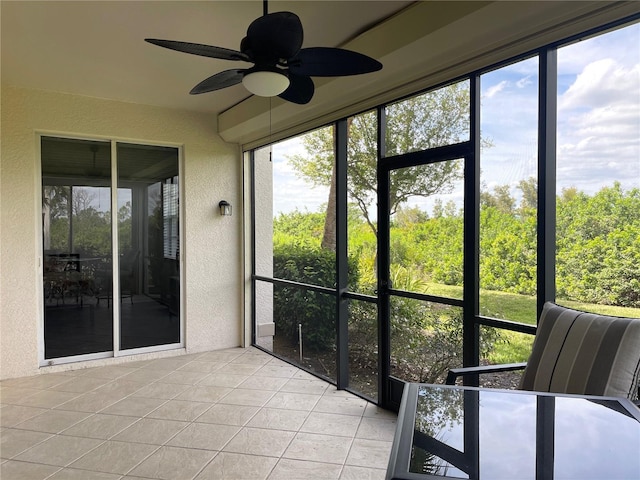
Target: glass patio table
477, 433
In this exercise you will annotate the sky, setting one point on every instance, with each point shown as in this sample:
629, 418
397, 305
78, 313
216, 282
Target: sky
598, 125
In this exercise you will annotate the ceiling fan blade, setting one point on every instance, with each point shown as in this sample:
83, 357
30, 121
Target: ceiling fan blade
331, 62
218, 81
273, 37
199, 49
300, 90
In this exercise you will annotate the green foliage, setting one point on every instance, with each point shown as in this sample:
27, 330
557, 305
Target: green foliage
287, 228
417, 123
295, 306
598, 245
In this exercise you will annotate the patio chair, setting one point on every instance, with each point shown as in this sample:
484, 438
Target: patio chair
577, 352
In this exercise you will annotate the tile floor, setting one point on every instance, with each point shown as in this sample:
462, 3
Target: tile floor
230, 414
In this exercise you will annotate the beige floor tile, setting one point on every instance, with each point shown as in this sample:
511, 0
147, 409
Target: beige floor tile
228, 414
233, 466
374, 428
146, 375
27, 471
164, 391
204, 393
43, 381
298, 385
259, 441
351, 405
239, 369
114, 457
201, 367
293, 401
150, 430
53, 421
263, 383
280, 371
304, 375
13, 382
241, 396
249, 412
183, 378
333, 391
173, 463
180, 410
16, 395
59, 450
14, 442
220, 356
205, 436
48, 399
369, 453
80, 384
89, 402
100, 426
251, 359
74, 474
319, 448
111, 372
350, 472
11, 415
278, 419
331, 424
134, 406
172, 363
288, 469
223, 379
119, 387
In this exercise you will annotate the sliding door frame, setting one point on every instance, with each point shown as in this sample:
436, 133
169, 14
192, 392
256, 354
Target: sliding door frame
116, 351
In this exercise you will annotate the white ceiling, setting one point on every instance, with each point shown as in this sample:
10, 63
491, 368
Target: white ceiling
96, 48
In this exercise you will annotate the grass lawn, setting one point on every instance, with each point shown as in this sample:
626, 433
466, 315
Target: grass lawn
514, 346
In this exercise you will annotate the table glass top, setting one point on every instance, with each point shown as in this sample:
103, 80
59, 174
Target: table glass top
493, 434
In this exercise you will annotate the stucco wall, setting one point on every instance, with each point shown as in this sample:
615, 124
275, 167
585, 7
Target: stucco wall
212, 248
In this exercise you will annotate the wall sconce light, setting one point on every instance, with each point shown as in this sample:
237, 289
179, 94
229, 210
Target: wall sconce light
225, 208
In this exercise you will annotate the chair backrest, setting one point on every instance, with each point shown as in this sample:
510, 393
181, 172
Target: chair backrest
584, 353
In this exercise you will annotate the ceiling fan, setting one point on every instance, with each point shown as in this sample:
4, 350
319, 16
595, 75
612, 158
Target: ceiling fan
281, 66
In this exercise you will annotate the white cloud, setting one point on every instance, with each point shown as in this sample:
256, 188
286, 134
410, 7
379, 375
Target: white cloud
603, 82
524, 82
599, 127
492, 91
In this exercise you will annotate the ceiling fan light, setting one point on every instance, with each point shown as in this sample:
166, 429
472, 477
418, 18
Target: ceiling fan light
265, 83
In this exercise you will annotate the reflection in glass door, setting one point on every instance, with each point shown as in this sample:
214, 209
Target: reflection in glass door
90, 287
77, 260
149, 248
421, 282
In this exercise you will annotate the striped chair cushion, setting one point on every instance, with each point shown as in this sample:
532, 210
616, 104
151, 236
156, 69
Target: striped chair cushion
584, 353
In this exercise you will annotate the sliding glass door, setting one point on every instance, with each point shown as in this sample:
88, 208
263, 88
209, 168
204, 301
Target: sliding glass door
110, 226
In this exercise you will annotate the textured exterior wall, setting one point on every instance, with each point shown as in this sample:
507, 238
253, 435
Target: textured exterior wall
263, 178
212, 245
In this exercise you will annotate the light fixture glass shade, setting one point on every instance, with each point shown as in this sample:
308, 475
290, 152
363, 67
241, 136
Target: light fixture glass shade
265, 83
225, 208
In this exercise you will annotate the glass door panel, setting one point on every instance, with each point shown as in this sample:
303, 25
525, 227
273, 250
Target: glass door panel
148, 243
424, 281
77, 267
426, 229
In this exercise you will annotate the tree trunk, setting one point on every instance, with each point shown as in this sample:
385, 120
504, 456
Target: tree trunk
329, 234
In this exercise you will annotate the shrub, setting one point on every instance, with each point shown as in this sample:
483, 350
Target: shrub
295, 306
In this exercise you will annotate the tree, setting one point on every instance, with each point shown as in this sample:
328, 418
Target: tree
529, 189
430, 120
500, 199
